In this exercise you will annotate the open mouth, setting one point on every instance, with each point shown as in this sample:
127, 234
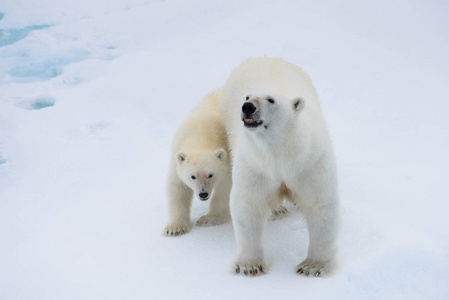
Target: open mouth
251, 123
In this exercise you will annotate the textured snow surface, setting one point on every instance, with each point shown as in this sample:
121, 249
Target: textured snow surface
91, 93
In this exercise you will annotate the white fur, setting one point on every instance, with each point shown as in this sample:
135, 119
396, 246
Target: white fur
290, 155
199, 164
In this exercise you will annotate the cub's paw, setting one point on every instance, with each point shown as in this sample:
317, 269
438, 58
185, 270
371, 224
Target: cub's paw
311, 268
176, 229
278, 213
251, 269
212, 220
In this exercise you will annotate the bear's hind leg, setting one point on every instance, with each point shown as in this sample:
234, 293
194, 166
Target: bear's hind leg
278, 210
278, 213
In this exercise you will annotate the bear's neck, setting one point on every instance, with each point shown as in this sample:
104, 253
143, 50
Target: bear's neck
270, 139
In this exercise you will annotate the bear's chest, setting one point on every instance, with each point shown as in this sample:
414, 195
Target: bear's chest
280, 163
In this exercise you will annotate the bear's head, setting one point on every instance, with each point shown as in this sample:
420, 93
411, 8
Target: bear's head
263, 111
202, 171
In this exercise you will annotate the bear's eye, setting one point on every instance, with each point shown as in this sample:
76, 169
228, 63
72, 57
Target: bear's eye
247, 97
270, 100
211, 175
193, 177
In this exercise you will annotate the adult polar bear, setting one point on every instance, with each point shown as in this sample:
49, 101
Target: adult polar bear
281, 148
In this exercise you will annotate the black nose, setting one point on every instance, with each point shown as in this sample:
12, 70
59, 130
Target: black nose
248, 108
203, 195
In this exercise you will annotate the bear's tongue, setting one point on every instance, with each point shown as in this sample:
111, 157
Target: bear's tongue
249, 121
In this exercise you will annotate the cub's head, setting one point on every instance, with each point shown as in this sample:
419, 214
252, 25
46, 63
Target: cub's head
201, 171
263, 111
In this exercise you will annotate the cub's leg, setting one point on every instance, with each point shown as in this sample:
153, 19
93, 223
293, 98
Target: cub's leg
219, 206
179, 203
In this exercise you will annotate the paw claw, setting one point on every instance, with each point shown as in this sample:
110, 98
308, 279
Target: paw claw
176, 230
312, 268
250, 269
212, 220
278, 213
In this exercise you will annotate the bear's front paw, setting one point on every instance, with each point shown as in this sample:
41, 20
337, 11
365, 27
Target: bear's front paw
176, 229
250, 269
212, 220
311, 268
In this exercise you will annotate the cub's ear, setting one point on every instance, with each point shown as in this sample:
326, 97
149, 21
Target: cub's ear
180, 157
298, 104
221, 154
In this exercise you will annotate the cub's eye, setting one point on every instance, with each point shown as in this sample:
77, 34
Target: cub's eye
211, 175
270, 100
193, 177
247, 98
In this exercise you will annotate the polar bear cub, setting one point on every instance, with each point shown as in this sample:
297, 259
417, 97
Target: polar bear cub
200, 166
281, 149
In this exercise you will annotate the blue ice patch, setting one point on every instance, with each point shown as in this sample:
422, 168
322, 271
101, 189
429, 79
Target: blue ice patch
48, 67
43, 71
11, 36
41, 103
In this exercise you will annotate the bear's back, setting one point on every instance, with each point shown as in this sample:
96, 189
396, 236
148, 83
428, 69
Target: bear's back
202, 129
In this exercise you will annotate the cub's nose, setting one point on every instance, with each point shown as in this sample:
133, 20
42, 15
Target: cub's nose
248, 108
203, 195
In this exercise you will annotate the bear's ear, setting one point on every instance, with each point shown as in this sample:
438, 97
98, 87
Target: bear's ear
180, 157
298, 104
221, 154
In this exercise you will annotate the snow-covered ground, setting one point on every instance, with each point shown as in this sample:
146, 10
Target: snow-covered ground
91, 93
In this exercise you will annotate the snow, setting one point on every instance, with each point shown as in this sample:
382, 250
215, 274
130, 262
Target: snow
91, 93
